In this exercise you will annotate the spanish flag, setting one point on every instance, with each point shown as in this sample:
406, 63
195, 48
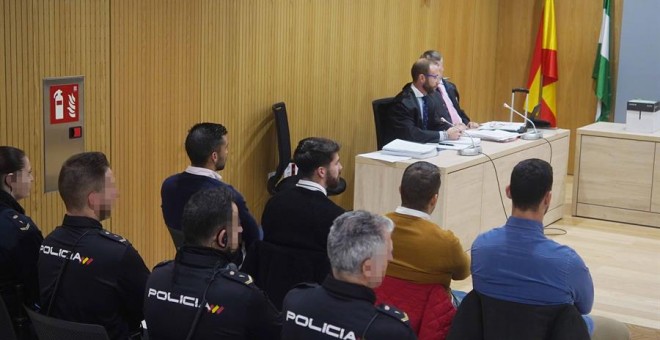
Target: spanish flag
543, 76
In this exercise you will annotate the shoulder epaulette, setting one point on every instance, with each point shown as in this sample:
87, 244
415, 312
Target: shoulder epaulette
394, 313
114, 237
19, 220
163, 263
239, 277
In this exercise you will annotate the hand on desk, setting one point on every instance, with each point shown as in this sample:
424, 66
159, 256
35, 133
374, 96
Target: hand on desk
455, 132
472, 125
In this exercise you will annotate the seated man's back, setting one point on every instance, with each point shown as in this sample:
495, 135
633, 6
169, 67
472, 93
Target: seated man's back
340, 310
88, 274
359, 246
101, 277
233, 307
201, 292
299, 218
207, 148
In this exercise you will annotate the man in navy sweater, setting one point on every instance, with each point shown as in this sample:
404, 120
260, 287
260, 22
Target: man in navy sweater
207, 149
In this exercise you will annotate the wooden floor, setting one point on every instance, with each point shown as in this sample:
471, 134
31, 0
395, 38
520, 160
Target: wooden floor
624, 261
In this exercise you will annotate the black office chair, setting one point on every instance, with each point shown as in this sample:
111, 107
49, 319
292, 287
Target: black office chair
380, 107
480, 317
276, 183
56, 329
177, 237
6, 324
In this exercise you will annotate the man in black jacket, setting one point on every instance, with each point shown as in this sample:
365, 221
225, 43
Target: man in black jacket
88, 274
415, 114
447, 93
201, 294
359, 247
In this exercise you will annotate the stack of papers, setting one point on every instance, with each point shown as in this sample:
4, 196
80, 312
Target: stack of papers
495, 135
400, 147
506, 126
465, 140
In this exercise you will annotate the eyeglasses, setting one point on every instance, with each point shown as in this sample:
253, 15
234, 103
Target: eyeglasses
435, 76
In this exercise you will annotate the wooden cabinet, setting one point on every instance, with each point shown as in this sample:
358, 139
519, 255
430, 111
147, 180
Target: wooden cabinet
617, 175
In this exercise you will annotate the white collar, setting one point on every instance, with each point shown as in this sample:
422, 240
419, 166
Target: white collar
313, 186
417, 92
195, 170
412, 212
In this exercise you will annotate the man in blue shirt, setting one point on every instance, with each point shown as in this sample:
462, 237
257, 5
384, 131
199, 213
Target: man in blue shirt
518, 263
207, 149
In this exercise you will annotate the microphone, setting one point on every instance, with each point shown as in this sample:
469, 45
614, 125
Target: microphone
469, 151
529, 135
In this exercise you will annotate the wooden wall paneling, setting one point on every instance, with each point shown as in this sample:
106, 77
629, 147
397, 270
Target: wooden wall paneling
3, 76
155, 100
479, 93
48, 39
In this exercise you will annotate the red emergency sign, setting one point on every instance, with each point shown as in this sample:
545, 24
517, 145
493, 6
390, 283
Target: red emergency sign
64, 104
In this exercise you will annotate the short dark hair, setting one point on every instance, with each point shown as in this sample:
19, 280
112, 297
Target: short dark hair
421, 66
202, 140
531, 179
11, 159
314, 152
432, 55
420, 181
207, 212
80, 175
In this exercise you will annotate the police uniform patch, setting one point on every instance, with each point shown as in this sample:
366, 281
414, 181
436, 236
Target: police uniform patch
394, 312
114, 237
239, 277
20, 221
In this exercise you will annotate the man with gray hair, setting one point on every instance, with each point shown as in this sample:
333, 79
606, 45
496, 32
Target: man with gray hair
359, 248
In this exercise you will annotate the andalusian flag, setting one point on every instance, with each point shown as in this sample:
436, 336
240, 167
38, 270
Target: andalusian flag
602, 68
543, 76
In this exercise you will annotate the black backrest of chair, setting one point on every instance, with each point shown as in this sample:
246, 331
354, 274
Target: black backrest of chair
56, 329
177, 237
380, 107
283, 143
483, 317
6, 324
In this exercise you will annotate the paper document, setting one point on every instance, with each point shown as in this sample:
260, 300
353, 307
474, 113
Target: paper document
450, 146
400, 147
385, 157
465, 140
495, 135
506, 126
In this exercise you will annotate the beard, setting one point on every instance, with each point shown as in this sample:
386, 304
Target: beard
429, 89
332, 182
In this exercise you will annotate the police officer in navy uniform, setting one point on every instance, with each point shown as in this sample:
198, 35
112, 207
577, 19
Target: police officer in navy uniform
201, 294
359, 248
88, 274
20, 237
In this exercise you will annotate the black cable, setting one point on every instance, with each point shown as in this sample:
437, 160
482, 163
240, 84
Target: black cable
549, 144
497, 177
560, 231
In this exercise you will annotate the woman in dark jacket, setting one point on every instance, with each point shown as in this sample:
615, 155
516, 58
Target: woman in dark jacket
20, 238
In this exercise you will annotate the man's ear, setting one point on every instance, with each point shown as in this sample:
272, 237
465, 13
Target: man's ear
367, 267
320, 171
547, 198
221, 239
508, 191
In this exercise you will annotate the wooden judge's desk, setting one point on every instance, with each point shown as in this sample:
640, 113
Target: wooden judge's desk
472, 196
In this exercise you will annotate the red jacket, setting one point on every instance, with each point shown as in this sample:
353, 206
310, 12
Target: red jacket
428, 306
